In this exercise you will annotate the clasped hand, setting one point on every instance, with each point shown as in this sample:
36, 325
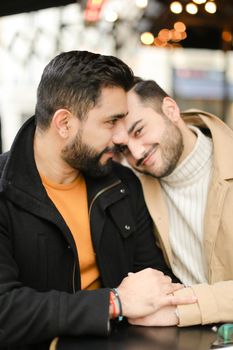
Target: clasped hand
147, 298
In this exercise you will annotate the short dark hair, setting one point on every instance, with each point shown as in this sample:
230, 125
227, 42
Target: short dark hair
149, 93
74, 80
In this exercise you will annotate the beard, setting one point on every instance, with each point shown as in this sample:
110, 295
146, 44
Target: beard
171, 147
85, 159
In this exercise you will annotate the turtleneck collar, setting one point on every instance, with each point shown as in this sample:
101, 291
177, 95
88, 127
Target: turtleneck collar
194, 165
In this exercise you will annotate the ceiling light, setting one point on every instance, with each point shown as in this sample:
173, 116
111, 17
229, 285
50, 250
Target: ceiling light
175, 36
180, 26
141, 3
164, 35
176, 7
111, 16
227, 36
147, 38
191, 8
210, 7
199, 2
159, 43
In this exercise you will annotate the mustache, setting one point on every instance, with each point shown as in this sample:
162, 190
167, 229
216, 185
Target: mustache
145, 155
120, 148
114, 149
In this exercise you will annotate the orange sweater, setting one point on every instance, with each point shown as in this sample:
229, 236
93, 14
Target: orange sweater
71, 201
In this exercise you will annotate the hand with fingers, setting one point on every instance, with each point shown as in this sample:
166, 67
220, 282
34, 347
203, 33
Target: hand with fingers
147, 291
165, 316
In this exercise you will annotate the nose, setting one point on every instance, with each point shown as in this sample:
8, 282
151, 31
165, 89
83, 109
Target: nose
136, 150
120, 135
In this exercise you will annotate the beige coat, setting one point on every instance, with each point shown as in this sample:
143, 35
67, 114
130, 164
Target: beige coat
215, 300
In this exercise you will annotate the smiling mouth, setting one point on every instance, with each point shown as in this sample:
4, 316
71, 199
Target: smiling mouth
148, 157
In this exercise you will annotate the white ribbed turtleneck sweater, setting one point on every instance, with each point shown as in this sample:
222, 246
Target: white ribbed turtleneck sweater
186, 190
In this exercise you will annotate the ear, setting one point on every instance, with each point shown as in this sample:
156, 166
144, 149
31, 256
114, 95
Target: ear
62, 122
170, 109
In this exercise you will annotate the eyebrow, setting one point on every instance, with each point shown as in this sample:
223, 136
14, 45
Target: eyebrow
118, 116
133, 126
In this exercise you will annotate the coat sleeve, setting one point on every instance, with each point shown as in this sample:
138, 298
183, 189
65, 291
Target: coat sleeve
28, 316
215, 304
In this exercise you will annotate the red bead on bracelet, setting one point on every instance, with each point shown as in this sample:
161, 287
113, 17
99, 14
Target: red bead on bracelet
112, 302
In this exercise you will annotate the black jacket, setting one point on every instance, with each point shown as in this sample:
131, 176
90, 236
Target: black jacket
40, 295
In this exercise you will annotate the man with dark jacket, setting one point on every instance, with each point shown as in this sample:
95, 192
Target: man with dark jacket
72, 223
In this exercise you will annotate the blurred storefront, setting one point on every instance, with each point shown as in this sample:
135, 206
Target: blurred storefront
195, 78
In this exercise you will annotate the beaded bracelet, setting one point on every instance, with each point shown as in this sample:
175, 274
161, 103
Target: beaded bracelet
116, 293
112, 302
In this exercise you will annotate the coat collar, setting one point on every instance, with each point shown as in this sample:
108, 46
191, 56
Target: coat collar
19, 169
21, 183
222, 137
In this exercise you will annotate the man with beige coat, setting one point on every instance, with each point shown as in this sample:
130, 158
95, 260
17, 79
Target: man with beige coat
187, 165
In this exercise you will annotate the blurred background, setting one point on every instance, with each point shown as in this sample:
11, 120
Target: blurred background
185, 45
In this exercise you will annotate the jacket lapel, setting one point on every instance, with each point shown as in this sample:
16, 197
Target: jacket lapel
157, 207
214, 207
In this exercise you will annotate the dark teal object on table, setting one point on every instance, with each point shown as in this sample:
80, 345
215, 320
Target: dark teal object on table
224, 337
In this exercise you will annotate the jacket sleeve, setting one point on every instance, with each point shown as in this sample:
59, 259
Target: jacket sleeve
28, 316
215, 304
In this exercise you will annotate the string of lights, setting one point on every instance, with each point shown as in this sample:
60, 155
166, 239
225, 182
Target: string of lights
193, 7
180, 16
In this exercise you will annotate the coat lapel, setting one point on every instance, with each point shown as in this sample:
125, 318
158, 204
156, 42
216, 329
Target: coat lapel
214, 207
157, 207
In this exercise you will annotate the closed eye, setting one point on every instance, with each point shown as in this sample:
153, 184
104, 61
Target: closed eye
113, 121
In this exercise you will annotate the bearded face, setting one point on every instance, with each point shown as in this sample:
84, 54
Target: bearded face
162, 157
155, 143
86, 159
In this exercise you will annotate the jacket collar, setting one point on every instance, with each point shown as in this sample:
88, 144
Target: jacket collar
21, 183
222, 137
19, 171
